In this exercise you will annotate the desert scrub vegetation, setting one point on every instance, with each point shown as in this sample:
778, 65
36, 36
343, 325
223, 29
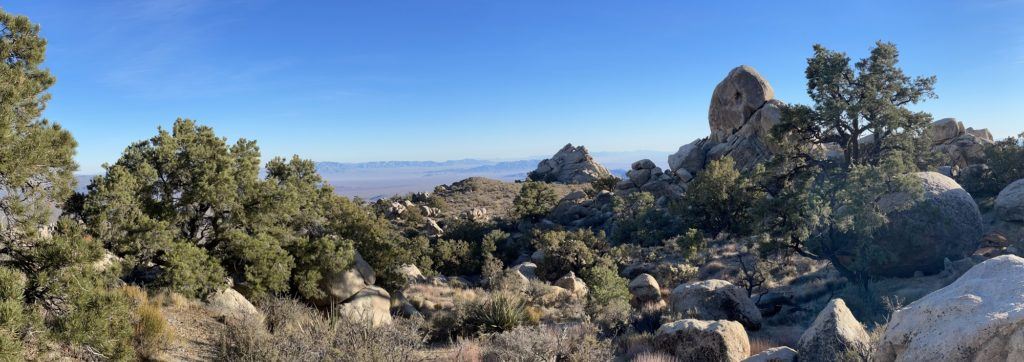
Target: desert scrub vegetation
295, 332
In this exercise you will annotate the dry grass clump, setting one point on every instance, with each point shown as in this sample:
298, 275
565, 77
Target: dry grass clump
299, 333
758, 345
655, 357
577, 342
152, 334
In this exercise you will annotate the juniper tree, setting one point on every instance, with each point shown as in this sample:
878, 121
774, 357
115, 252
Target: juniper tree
197, 208
827, 208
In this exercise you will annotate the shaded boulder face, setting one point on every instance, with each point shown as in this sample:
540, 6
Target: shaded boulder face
945, 223
343, 284
570, 165
835, 335
645, 288
716, 299
370, 305
979, 317
735, 100
697, 340
1010, 202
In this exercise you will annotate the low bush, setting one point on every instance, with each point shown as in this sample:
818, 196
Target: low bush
299, 333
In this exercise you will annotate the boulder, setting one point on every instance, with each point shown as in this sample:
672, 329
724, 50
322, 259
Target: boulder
230, 304
411, 273
715, 299
573, 284
835, 335
689, 157
777, 354
645, 288
697, 340
735, 100
432, 228
944, 129
371, 305
527, 270
1010, 202
342, 285
976, 318
944, 223
570, 165
983, 133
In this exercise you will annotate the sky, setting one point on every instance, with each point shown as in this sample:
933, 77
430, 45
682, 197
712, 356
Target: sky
354, 81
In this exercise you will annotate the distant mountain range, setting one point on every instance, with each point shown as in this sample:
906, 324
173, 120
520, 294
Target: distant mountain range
379, 179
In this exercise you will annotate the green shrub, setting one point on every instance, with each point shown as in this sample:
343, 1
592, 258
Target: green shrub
719, 199
189, 270
605, 284
535, 201
316, 259
264, 266
566, 251
606, 183
636, 220
97, 317
12, 284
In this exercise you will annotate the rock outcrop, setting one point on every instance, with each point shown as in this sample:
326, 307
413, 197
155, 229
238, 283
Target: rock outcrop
645, 288
742, 113
697, 340
645, 176
715, 299
570, 165
958, 146
945, 223
835, 335
979, 317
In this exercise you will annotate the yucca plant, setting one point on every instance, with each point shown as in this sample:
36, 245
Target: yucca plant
502, 312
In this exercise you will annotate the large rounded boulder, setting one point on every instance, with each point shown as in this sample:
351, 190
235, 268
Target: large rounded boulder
735, 100
1010, 202
697, 340
922, 233
979, 317
716, 299
341, 285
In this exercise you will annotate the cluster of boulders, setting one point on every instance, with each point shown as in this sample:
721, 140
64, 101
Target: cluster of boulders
645, 176
577, 209
976, 318
570, 165
958, 147
353, 294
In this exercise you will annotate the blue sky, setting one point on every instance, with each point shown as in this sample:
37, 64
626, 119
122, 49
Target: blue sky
435, 80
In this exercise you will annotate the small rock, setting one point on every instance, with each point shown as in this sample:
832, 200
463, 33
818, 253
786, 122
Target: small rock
645, 288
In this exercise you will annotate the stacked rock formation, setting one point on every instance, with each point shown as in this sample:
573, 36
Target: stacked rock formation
958, 147
570, 165
742, 113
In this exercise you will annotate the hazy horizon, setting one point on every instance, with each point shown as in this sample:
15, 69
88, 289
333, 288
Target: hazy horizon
357, 82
